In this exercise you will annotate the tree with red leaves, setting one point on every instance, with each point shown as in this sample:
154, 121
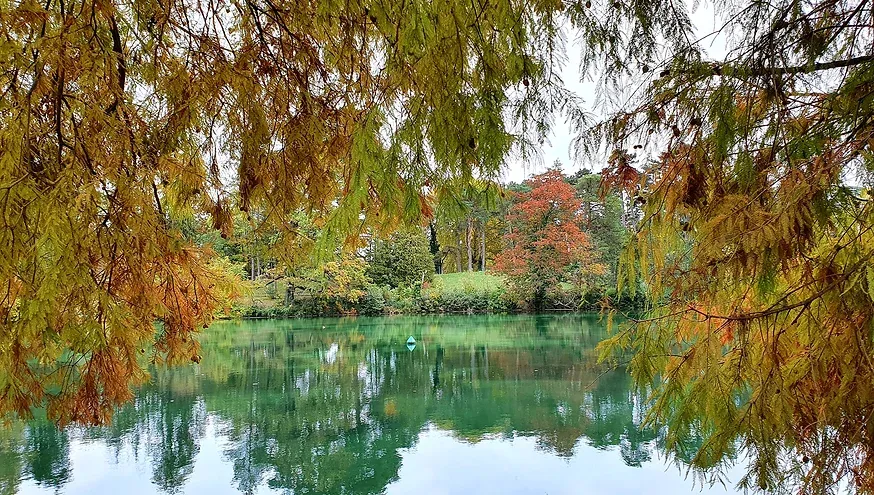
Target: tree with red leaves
544, 244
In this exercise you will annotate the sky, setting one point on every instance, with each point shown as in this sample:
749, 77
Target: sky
558, 146
560, 139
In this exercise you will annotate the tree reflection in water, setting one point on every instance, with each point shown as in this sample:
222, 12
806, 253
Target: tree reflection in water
324, 406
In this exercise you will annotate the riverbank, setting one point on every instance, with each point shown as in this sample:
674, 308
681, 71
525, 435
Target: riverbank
453, 293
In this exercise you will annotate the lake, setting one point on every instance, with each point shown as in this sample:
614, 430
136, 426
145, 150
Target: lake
479, 404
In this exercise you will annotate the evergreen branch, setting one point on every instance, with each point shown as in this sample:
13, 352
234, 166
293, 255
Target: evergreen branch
742, 72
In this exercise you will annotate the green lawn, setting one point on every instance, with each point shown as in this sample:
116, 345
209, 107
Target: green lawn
456, 282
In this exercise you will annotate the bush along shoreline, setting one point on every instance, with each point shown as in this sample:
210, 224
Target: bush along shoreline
433, 299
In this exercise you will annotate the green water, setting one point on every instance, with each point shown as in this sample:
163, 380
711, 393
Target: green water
480, 404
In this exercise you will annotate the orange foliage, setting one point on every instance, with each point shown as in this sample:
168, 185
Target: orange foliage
545, 241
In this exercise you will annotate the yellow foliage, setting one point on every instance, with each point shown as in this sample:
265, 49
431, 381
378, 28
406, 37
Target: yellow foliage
119, 121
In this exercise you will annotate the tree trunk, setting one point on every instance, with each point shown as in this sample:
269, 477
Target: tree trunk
469, 238
435, 249
539, 298
483, 247
459, 266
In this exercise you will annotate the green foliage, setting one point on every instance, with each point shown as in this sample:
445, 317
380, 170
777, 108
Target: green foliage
755, 244
470, 292
373, 302
402, 260
463, 293
469, 217
603, 222
343, 279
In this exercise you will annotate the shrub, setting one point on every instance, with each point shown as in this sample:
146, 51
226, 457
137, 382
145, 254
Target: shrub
434, 298
373, 301
403, 260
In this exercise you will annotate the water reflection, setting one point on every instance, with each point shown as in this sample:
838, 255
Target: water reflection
332, 406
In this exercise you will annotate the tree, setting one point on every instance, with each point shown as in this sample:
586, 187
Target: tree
404, 259
603, 221
544, 242
463, 210
757, 243
343, 279
434, 247
117, 120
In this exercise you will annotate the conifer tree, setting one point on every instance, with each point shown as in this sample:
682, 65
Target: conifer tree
757, 242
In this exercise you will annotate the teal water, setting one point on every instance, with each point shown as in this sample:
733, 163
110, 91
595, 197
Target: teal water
480, 404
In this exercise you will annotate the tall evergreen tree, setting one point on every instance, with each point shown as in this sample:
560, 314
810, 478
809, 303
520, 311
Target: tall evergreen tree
403, 259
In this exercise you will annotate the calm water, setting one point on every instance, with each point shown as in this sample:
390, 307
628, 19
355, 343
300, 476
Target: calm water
481, 404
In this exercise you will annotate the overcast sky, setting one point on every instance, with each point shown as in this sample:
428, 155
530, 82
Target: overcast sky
558, 146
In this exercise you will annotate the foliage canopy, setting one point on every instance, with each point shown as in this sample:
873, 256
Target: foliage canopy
118, 120
757, 241
404, 259
544, 242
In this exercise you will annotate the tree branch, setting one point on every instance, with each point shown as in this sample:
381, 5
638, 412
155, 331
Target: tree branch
121, 70
797, 69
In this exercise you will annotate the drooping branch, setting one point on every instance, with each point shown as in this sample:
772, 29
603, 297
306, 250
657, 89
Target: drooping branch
797, 69
121, 69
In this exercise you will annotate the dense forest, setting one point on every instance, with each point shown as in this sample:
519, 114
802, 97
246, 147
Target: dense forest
329, 144
550, 243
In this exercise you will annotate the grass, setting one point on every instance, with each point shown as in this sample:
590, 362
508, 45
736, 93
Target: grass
457, 282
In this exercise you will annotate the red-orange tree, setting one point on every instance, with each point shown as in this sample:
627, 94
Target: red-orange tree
544, 244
